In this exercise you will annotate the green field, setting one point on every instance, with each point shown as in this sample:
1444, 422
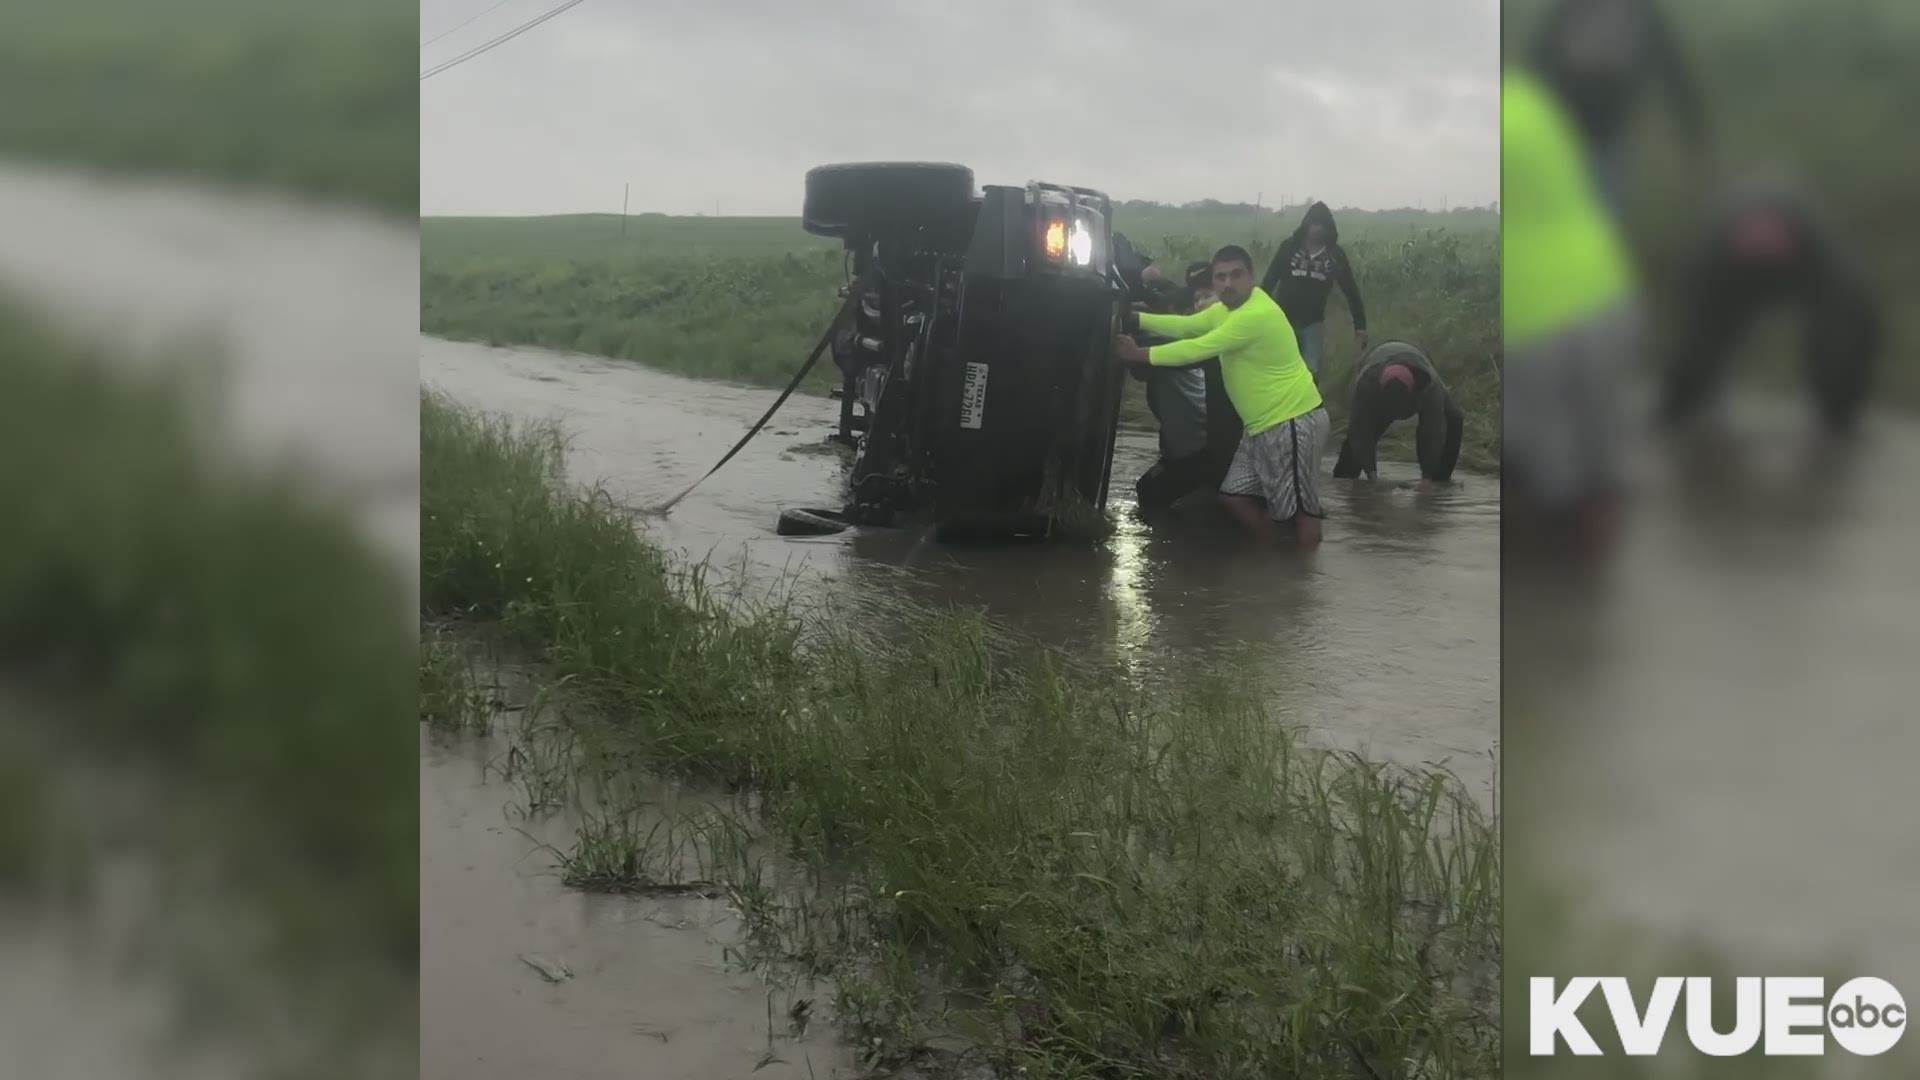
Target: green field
743, 299
311, 99
948, 828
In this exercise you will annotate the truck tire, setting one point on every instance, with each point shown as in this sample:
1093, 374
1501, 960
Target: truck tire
860, 197
810, 523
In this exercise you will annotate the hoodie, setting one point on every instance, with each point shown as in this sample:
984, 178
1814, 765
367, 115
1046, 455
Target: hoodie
1300, 280
1374, 410
1767, 241
1599, 55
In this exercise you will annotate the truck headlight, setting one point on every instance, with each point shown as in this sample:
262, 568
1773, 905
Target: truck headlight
1054, 241
1080, 243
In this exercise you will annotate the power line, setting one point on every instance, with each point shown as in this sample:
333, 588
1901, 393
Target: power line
496, 42
468, 20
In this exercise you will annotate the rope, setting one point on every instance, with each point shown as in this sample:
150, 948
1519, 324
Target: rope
812, 358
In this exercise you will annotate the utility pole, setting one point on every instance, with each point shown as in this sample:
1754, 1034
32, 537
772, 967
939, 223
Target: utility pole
623, 209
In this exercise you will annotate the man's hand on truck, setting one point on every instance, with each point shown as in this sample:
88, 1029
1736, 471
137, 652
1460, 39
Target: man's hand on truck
1128, 351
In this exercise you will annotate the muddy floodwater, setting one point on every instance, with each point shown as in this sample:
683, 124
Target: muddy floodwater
1718, 742
643, 990
1385, 640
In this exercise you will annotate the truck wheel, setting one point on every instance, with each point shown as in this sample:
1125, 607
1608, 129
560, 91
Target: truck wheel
880, 196
810, 523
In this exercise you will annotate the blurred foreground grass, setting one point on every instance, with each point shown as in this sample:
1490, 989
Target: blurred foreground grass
312, 99
202, 676
743, 299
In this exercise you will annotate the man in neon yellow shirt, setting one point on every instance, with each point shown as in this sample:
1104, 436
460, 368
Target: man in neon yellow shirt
1571, 327
1278, 462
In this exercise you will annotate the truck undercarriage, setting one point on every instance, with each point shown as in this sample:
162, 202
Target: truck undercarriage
978, 386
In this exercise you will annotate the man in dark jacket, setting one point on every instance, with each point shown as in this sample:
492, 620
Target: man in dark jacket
1199, 429
1398, 382
1768, 244
1175, 396
1303, 272
1598, 56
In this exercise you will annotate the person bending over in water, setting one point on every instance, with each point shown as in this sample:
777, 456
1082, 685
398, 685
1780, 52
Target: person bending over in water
1273, 478
1766, 244
1397, 382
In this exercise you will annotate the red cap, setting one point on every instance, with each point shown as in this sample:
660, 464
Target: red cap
1397, 373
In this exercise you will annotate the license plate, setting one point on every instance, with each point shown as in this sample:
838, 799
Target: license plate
973, 396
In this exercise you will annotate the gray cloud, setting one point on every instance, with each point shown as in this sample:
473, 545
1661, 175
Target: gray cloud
727, 104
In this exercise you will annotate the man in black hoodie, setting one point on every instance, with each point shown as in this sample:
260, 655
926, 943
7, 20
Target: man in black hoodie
1398, 382
1303, 272
1599, 56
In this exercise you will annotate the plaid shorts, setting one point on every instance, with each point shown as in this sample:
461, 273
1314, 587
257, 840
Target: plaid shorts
1564, 433
1282, 466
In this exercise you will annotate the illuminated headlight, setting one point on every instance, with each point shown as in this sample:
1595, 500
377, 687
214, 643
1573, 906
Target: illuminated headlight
1080, 243
1054, 240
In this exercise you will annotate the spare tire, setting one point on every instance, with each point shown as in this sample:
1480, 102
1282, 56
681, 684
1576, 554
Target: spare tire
810, 523
864, 197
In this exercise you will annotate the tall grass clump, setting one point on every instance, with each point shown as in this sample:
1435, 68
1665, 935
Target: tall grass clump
744, 300
976, 833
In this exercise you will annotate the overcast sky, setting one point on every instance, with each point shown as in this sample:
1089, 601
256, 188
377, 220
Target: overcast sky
724, 105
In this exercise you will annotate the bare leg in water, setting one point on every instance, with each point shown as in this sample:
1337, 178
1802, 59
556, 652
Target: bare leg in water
1306, 530
1251, 512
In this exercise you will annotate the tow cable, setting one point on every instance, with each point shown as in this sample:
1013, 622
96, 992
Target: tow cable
812, 358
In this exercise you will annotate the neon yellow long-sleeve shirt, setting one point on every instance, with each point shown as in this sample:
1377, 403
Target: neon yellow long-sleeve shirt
1260, 362
1562, 259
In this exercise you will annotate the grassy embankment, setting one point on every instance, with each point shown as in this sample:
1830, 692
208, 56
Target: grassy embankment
743, 299
1094, 881
309, 99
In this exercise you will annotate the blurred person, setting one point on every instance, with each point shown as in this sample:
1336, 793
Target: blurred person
1304, 270
1767, 245
1598, 56
1199, 429
1272, 480
1177, 397
1397, 381
1570, 324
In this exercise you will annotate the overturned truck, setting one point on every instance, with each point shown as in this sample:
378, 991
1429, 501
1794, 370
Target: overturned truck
978, 387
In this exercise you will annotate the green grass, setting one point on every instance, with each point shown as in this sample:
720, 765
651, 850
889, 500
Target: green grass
205, 672
313, 99
744, 299
954, 828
